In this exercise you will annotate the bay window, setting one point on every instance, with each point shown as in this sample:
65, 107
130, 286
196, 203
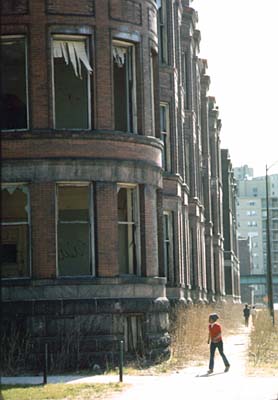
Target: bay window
128, 230
14, 93
71, 82
74, 230
124, 73
15, 231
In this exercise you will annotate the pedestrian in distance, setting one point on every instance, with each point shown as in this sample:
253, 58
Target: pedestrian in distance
253, 313
246, 314
216, 342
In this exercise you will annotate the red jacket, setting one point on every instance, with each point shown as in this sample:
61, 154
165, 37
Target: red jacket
215, 332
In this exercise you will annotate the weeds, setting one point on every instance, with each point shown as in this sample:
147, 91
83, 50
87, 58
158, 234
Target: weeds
15, 352
189, 336
263, 346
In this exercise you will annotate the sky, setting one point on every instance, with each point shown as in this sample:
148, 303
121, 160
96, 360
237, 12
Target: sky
239, 39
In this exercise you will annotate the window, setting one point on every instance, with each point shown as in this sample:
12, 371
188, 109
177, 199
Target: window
74, 233
165, 135
168, 243
152, 70
185, 80
128, 230
125, 104
15, 231
14, 98
133, 333
163, 32
71, 82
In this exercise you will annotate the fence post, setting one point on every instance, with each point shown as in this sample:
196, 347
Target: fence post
121, 360
45, 364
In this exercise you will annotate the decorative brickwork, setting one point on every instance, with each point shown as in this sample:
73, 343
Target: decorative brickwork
64, 7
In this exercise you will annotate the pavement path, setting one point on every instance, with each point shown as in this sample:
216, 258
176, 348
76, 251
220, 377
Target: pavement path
189, 383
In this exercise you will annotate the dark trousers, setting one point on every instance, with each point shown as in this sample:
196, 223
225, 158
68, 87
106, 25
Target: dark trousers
213, 347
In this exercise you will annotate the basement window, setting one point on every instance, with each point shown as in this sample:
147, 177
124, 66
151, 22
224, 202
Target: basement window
74, 230
128, 230
133, 333
15, 231
14, 98
125, 104
71, 75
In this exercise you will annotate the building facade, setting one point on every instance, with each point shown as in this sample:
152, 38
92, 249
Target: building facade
111, 173
252, 213
231, 256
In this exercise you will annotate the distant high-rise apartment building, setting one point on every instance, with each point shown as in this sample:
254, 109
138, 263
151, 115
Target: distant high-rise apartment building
251, 215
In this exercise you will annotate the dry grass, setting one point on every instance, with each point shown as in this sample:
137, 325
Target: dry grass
189, 337
263, 345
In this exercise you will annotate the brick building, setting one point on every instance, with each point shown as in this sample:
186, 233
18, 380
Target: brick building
231, 254
111, 172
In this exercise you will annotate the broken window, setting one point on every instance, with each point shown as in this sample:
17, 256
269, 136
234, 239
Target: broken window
14, 99
125, 104
163, 32
128, 230
165, 136
168, 244
71, 82
15, 232
74, 230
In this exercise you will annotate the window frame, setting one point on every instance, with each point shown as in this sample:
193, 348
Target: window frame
132, 268
71, 37
90, 222
163, 41
165, 137
28, 223
168, 268
26, 60
128, 45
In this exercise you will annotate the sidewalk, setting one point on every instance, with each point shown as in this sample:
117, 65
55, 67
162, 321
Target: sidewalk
191, 382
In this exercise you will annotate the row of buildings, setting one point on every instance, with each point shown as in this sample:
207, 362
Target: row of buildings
118, 201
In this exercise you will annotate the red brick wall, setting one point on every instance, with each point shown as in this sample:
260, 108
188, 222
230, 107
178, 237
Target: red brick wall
42, 198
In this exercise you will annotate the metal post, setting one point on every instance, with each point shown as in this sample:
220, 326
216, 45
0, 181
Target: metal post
45, 364
121, 360
268, 252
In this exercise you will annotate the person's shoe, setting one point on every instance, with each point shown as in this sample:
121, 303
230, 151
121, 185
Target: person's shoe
210, 371
227, 369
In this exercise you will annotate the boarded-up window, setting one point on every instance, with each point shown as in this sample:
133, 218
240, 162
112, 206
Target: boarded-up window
133, 334
13, 103
128, 230
125, 104
15, 238
71, 83
74, 230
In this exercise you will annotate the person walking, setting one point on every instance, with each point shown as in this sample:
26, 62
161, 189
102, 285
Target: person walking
246, 314
253, 313
215, 341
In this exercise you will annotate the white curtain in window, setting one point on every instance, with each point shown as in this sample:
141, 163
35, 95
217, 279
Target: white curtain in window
73, 51
119, 55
